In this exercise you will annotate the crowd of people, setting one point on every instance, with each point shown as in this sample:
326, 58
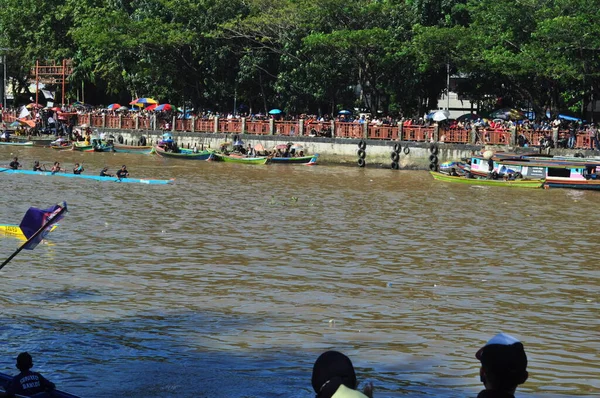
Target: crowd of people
503, 368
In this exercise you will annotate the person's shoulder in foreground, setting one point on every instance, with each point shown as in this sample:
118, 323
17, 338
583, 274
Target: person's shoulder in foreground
503, 366
27, 383
333, 376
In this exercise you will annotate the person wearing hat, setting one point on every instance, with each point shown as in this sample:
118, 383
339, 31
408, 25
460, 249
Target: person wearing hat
503, 366
27, 383
333, 376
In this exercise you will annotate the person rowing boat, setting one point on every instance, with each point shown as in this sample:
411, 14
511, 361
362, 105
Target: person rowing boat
123, 173
104, 173
78, 168
56, 168
15, 164
37, 167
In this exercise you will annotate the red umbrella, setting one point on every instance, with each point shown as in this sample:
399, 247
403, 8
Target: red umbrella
164, 107
151, 107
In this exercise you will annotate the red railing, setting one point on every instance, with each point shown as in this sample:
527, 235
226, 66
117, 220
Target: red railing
349, 130
258, 127
230, 126
9, 116
382, 132
417, 133
204, 125
183, 125
144, 123
456, 136
286, 128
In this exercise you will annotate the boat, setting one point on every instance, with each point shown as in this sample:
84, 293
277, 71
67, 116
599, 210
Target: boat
62, 147
238, 159
89, 177
81, 146
573, 176
183, 153
17, 143
15, 231
307, 160
120, 148
481, 181
5, 379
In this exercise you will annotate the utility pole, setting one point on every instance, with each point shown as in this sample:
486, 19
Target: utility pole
448, 86
4, 85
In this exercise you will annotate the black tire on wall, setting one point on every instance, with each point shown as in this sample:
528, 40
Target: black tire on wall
395, 166
361, 153
397, 148
394, 156
361, 163
142, 141
120, 139
362, 144
406, 150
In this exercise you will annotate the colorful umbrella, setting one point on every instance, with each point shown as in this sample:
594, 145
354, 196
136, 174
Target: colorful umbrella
25, 122
468, 116
164, 107
113, 107
275, 111
344, 112
144, 101
151, 107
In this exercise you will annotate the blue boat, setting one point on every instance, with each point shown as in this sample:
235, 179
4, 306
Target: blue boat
5, 379
89, 177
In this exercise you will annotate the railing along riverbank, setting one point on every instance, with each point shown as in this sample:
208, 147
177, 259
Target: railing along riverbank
514, 136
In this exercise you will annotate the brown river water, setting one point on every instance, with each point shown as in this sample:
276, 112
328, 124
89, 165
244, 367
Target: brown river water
231, 282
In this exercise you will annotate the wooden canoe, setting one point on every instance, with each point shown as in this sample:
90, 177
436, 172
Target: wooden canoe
132, 149
480, 181
307, 160
183, 154
238, 159
17, 143
88, 177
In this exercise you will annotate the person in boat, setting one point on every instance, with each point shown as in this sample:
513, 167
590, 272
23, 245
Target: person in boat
301, 153
27, 383
333, 376
15, 164
503, 366
104, 173
56, 168
37, 167
123, 173
453, 172
78, 168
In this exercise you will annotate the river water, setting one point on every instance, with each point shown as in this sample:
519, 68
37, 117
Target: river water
231, 282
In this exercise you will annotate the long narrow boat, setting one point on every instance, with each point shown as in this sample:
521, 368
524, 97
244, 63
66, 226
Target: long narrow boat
17, 143
88, 177
5, 379
480, 181
81, 146
15, 231
307, 160
183, 154
238, 159
120, 148
62, 147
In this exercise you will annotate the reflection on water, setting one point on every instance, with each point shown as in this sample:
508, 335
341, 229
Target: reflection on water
231, 282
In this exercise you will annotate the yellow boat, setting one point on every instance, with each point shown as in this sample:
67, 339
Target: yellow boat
15, 231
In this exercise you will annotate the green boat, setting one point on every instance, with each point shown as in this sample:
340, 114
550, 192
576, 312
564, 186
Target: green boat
480, 181
183, 153
17, 143
238, 159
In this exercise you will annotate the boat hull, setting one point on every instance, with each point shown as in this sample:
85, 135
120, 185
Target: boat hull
572, 184
27, 143
15, 231
307, 160
498, 183
184, 154
89, 177
132, 149
240, 160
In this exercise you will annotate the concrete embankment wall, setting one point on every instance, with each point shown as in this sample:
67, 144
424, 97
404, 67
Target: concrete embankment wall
330, 150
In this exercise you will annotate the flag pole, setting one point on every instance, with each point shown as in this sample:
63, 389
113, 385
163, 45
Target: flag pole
35, 235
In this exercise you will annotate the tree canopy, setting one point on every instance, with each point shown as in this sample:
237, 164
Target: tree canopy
386, 56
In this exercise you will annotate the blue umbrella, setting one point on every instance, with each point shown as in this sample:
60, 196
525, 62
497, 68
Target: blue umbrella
275, 111
569, 118
344, 112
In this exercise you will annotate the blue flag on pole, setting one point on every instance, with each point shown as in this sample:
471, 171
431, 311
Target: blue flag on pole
36, 219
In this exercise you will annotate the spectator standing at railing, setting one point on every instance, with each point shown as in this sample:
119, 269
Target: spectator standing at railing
593, 130
572, 136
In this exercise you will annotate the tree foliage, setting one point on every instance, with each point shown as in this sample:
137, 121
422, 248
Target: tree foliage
306, 56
